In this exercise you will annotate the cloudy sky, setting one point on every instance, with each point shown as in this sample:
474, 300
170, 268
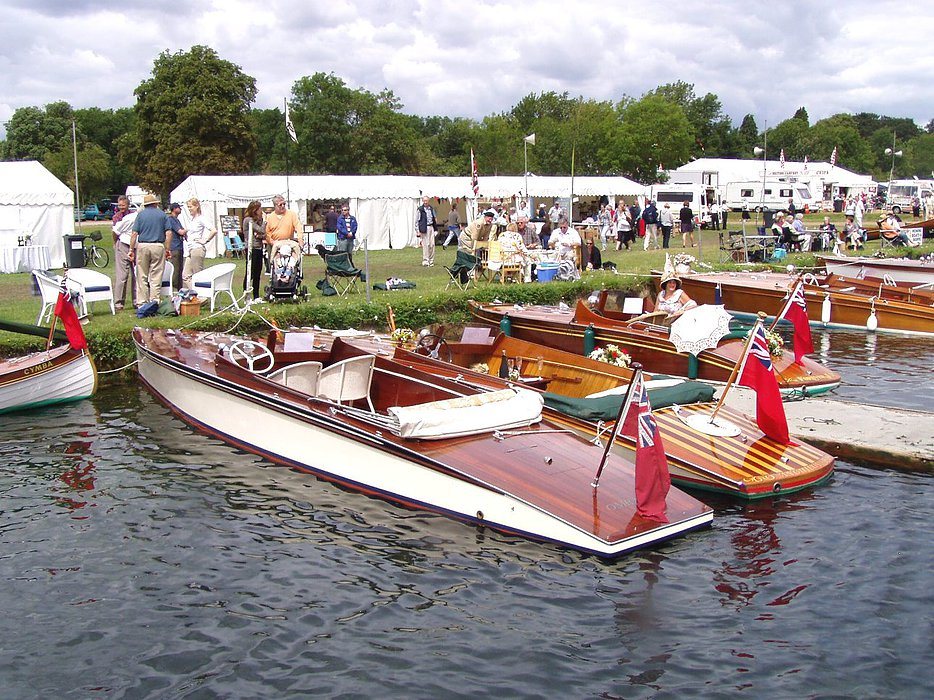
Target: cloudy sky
473, 58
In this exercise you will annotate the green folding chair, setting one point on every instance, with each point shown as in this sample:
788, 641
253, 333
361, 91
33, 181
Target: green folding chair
464, 270
341, 274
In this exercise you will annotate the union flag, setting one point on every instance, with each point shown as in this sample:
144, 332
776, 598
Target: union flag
796, 311
758, 373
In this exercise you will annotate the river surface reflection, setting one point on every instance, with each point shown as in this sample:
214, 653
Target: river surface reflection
144, 560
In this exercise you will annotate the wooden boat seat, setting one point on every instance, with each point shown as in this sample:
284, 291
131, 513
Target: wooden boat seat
348, 380
301, 376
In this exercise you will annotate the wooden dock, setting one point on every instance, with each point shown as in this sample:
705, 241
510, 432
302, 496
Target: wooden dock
895, 438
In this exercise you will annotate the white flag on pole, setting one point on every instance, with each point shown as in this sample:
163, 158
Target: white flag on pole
288, 124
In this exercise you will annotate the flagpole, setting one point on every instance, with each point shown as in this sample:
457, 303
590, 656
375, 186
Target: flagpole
791, 294
617, 426
74, 146
288, 197
742, 360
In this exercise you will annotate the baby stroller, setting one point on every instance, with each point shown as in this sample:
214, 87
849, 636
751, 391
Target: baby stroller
285, 272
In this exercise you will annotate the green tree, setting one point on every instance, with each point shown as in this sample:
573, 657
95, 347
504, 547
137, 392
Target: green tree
34, 132
789, 136
841, 132
711, 126
106, 128
746, 137
192, 116
653, 131
94, 170
919, 156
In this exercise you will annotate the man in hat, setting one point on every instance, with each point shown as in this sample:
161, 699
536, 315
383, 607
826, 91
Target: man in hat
477, 231
149, 249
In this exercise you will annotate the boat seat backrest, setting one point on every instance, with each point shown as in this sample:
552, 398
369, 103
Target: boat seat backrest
347, 380
302, 376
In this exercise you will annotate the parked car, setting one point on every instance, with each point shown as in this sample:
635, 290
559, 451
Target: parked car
92, 212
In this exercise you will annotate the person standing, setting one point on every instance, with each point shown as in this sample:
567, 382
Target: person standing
477, 231
254, 218
667, 221
346, 232
624, 235
607, 224
454, 227
283, 225
650, 216
425, 230
555, 213
724, 212
330, 220
177, 248
125, 270
198, 234
686, 217
714, 210
149, 249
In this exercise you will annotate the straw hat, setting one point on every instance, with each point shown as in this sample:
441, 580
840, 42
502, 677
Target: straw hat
150, 199
668, 277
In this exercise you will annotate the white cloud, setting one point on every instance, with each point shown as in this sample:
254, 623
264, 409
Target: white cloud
472, 59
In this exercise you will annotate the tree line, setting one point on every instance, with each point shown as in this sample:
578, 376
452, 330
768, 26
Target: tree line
194, 115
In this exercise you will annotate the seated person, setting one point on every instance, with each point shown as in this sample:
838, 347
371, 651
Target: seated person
590, 253
672, 299
828, 235
890, 228
777, 229
285, 258
514, 250
802, 239
851, 234
565, 240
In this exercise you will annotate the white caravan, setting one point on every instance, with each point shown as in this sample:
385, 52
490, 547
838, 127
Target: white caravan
902, 192
698, 197
771, 194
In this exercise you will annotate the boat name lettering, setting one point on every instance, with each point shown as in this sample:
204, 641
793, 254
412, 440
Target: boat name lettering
38, 368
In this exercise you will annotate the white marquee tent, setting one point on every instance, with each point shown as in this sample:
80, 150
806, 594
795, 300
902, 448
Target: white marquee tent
384, 205
34, 202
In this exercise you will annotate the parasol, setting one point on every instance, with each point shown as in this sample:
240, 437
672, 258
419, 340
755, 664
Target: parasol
699, 328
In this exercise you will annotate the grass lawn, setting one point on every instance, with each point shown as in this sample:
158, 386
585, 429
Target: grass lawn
429, 302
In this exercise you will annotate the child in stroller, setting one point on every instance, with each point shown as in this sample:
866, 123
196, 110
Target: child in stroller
285, 271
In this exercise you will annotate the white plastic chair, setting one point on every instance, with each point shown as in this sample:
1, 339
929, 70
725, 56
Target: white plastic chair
302, 376
216, 279
348, 380
49, 288
93, 286
166, 289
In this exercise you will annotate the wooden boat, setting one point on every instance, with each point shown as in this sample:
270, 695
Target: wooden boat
829, 305
746, 465
904, 270
645, 342
59, 375
408, 437
875, 287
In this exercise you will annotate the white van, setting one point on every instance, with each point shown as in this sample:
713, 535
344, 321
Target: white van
698, 197
772, 195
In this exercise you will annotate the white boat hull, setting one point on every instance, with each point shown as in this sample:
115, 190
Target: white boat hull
911, 272
45, 380
311, 442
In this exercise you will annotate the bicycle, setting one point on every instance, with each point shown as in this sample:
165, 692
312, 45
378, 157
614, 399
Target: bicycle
94, 254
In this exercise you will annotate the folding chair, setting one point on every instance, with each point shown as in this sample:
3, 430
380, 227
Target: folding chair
340, 273
233, 245
463, 271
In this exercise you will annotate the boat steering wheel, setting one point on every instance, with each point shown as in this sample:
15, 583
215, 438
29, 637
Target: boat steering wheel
251, 352
434, 346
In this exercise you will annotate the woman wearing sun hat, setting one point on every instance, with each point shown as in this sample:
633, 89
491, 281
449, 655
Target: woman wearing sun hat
672, 299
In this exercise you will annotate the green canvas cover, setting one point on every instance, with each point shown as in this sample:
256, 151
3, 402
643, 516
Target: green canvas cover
607, 407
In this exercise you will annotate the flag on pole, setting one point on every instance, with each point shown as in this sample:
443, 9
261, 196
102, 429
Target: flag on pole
805, 162
781, 158
66, 311
833, 157
757, 373
474, 178
796, 311
652, 478
289, 127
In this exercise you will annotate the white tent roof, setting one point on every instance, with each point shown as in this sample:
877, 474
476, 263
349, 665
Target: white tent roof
28, 183
243, 188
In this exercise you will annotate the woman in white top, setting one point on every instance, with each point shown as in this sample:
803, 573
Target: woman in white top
672, 299
199, 235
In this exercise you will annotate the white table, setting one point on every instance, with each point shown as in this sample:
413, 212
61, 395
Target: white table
24, 258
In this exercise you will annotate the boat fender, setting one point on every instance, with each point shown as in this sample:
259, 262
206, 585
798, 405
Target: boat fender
693, 366
505, 325
825, 309
590, 340
872, 323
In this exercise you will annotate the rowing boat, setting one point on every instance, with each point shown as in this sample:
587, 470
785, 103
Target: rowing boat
377, 427
585, 395
647, 343
61, 374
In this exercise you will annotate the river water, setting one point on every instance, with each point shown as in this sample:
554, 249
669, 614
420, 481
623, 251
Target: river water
143, 560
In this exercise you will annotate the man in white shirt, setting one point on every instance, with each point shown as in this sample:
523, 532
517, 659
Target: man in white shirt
565, 240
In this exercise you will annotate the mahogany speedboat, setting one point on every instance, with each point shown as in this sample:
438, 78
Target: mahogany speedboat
646, 342
422, 441
830, 301
585, 394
